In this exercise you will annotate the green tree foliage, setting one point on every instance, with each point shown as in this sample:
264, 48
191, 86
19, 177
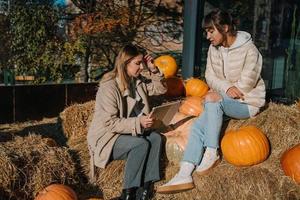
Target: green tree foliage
4, 41
32, 27
36, 46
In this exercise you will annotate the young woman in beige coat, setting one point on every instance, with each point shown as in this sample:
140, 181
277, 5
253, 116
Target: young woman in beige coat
119, 129
237, 90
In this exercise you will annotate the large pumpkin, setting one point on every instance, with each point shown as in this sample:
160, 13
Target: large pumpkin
192, 106
167, 65
290, 163
177, 139
175, 87
245, 147
57, 192
195, 87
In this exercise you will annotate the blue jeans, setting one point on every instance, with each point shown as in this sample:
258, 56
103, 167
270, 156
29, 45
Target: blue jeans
205, 131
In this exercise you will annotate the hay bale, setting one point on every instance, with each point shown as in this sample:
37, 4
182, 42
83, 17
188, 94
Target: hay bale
79, 147
48, 127
9, 173
37, 165
4, 137
75, 119
280, 123
229, 182
109, 179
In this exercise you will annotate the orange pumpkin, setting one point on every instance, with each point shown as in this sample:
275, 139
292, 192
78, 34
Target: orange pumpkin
57, 192
177, 139
175, 87
167, 65
192, 106
290, 163
196, 87
245, 147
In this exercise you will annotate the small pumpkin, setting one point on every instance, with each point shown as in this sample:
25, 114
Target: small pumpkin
167, 65
57, 192
290, 163
196, 87
175, 87
245, 147
192, 106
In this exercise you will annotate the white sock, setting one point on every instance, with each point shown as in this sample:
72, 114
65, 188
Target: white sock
209, 158
211, 151
186, 169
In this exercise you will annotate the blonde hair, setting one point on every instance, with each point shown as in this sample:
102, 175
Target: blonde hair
126, 54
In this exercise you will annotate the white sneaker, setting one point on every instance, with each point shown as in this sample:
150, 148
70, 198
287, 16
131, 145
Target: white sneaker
209, 161
177, 184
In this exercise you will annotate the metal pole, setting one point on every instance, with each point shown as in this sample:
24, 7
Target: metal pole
192, 34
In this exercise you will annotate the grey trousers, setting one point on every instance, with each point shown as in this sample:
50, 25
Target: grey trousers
142, 154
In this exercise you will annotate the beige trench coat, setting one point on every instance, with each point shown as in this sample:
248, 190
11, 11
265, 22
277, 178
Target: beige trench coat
111, 116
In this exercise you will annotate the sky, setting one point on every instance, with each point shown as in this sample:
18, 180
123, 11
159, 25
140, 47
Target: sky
61, 2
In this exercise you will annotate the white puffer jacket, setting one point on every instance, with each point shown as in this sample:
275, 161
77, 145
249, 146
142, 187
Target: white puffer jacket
239, 65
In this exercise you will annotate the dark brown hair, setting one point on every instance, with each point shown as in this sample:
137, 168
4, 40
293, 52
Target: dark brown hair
218, 18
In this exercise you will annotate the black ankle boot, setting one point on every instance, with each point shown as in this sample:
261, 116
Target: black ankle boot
145, 192
127, 194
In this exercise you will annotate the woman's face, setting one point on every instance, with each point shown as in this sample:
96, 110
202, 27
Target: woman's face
214, 36
135, 66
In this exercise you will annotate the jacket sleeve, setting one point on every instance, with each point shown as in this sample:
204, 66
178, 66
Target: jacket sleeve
251, 71
155, 83
213, 81
107, 102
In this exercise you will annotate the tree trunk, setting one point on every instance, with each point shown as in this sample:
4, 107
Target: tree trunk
85, 74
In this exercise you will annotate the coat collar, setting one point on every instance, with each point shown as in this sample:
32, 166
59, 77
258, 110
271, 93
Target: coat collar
132, 101
127, 92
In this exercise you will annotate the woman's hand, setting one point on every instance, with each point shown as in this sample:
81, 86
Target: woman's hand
147, 121
150, 63
235, 93
212, 96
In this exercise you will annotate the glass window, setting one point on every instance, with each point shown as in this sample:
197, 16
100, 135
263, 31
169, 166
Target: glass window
275, 29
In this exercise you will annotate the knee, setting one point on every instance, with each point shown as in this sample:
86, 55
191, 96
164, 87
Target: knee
195, 127
196, 132
155, 138
195, 138
143, 144
213, 97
